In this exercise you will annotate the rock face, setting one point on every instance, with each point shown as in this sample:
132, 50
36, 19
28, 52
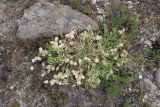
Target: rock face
46, 19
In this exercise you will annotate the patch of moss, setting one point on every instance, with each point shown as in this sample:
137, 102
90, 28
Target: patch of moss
14, 104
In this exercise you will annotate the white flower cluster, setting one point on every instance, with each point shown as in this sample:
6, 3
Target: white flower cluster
121, 32
60, 79
57, 43
71, 35
98, 37
36, 59
78, 75
130, 4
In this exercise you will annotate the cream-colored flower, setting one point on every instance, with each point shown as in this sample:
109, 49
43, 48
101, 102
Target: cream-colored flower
55, 76
43, 74
52, 82
125, 53
67, 60
56, 39
106, 54
79, 61
43, 64
33, 60
120, 32
40, 49
79, 82
38, 58
46, 82
54, 44
31, 68
87, 59
75, 63
120, 45
104, 62
123, 30
96, 60
60, 41
52, 68
48, 66
115, 49
67, 35
59, 83
61, 45
93, 1
71, 43
57, 68
74, 72
98, 37
71, 62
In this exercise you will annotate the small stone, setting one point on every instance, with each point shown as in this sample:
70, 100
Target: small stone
157, 77
148, 85
140, 76
11, 87
148, 43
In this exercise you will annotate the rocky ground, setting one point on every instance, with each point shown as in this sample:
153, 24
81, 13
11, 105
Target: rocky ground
27, 24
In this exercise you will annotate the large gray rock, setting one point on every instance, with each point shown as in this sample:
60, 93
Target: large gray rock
46, 19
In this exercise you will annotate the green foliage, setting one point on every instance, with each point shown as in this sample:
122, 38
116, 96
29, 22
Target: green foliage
87, 57
126, 20
112, 85
147, 105
113, 89
157, 54
77, 2
127, 104
87, 10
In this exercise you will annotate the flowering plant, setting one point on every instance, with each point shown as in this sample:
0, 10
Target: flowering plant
85, 57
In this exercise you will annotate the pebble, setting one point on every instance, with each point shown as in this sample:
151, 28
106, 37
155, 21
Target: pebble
148, 85
11, 87
140, 76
